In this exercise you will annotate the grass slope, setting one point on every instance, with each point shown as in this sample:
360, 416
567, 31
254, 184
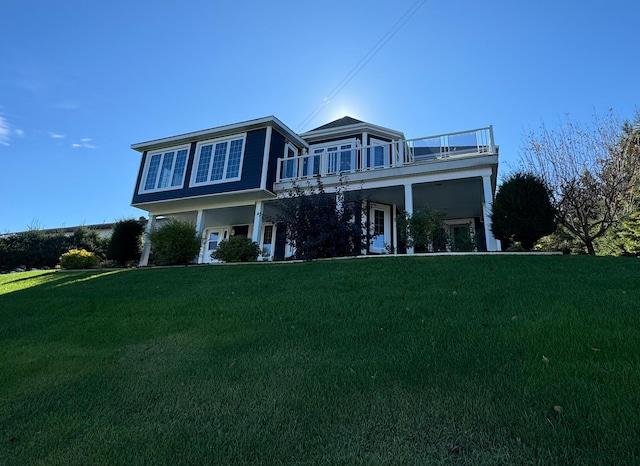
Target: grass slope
437, 360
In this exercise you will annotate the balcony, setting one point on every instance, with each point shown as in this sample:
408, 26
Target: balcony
348, 158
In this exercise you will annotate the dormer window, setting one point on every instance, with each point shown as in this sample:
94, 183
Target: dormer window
218, 160
164, 169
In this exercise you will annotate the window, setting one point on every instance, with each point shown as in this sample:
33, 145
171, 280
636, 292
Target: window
290, 152
378, 153
218, 161
164, 169
339, 157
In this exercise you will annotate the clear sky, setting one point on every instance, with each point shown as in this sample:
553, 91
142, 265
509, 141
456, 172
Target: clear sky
81, 81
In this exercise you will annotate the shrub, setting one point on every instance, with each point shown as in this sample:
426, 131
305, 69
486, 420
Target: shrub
237, 249
174, 243
32, 249
125, 242
86, 238
78, 259
423, 230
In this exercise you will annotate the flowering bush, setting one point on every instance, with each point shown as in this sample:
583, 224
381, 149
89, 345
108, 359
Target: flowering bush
78, 259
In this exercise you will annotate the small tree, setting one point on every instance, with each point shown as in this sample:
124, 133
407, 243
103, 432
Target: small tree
423, 229
522, 211
174, 243
592, 170
237, 249
317, 225
125, 242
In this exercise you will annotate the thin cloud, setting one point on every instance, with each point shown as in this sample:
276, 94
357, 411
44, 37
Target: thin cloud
67, 105
84, 143
5, 132
56, 135
19, 133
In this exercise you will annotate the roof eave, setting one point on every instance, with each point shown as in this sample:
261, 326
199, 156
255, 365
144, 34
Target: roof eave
221, 131
359, 127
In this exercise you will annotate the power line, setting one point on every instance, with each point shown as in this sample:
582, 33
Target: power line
413, 9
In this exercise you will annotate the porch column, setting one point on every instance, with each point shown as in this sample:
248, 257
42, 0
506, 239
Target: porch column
146, 247
492, 244
257, 222
408, 205
199, 225
394, 228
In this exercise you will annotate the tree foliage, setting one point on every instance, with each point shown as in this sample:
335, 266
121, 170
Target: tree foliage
317, 225
522, 210
125, 243
423, 229
36, 248
592, 171
174, 243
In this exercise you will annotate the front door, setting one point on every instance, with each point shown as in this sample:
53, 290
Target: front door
380, 227
213, 236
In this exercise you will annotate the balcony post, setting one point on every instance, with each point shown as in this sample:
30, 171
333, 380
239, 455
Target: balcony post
492, 147
279, 169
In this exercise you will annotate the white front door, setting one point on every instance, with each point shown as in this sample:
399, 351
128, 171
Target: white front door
212, 238
380, 227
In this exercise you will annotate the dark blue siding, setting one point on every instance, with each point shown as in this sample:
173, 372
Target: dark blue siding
276, 150
250, 179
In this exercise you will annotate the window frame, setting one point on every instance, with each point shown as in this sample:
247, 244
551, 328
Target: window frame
163, 152
214, 143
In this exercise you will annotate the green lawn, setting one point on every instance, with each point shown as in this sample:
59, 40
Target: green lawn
424, 360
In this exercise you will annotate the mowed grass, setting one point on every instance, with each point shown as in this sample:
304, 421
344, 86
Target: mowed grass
415, 360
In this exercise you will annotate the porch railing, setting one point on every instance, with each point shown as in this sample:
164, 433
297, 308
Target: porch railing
345, 159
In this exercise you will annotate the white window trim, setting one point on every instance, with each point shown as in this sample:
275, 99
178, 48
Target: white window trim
341, 142
224, 179
162, 152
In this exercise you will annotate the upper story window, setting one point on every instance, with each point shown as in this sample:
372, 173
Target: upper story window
164, 169
336, 157
218, 160
290, 165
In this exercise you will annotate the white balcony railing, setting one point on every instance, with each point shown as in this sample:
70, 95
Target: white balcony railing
345, 159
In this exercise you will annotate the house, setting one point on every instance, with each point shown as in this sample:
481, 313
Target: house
224, 179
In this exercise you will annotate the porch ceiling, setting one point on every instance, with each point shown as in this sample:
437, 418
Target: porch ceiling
457, 198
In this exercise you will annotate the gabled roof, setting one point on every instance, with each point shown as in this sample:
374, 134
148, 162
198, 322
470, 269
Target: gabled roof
348, 125
344, 121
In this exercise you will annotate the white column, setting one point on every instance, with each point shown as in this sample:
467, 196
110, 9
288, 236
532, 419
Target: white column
199, 226
408, 205
394, 228
146, 247
257, 222
492, 244
363, 152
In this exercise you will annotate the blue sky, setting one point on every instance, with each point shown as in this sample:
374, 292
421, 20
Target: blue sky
81, 81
